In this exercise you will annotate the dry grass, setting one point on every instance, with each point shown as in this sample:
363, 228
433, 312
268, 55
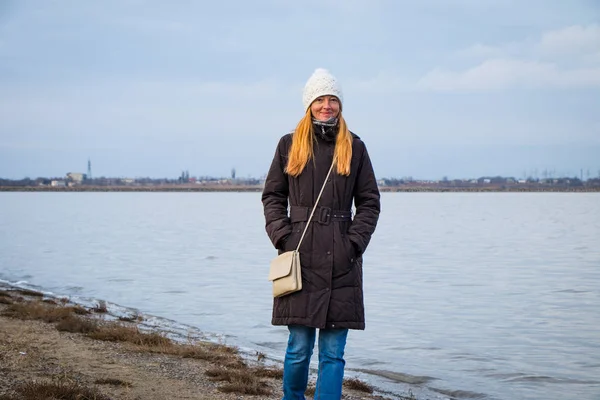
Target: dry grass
67, 321
113, 382
208, 352
243, 379
132, 318
5, 297
239, 376
254, 388
114, 332
224, 374
358, 385
239, 381
38, 311
275, 373
79, 310
77, 325
30, 293
54, 390
225, 356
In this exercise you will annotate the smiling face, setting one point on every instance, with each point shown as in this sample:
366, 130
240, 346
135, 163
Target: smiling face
325, 107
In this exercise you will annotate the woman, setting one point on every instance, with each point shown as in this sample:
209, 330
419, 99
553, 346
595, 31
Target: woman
331, 299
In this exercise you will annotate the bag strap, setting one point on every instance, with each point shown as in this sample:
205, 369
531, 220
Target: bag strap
317, 202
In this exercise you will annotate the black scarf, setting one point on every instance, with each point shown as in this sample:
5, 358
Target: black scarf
326, 130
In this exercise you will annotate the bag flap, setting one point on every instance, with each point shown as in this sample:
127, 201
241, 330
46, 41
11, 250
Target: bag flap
281, 265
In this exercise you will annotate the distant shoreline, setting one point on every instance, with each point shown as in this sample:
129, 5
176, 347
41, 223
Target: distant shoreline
256, 188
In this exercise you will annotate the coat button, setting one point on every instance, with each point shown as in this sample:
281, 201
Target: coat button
328, 252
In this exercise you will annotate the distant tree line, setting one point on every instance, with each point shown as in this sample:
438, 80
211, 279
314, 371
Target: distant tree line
184, 178
494, 181
26, 182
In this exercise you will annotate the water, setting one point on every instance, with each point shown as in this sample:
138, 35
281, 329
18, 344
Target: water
493, 295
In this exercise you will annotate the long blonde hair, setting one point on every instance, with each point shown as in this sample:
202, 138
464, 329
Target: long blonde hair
302, 147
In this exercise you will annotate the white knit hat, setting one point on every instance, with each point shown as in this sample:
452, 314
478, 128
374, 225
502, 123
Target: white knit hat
321, 83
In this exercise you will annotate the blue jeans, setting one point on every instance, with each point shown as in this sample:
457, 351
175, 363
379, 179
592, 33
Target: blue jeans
331, 362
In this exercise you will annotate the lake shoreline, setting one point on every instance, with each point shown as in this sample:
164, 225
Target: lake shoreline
253, 188
36, 348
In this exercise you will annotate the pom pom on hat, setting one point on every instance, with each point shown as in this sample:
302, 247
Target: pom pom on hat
321, 83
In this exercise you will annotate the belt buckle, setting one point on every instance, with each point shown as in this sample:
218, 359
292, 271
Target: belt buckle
325, 215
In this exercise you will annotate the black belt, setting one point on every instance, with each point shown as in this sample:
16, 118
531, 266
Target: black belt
323, 215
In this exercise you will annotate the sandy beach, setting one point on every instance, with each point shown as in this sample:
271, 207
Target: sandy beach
53, 349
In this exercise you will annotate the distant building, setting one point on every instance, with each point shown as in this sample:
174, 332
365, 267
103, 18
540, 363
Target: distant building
76, 177
56, 183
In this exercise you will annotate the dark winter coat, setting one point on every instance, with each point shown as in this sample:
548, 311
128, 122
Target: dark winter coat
331, 252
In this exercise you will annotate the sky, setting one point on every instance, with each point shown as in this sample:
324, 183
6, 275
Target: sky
149, 88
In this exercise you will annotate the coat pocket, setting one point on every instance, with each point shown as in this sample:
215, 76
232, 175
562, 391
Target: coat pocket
347, 244
350, 250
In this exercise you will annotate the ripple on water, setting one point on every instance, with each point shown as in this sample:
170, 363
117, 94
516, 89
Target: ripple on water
403, 348
571, 291
397, 376
550, 379
371, 362
460, 394
471, 357
203, 314
74, 289
269, 345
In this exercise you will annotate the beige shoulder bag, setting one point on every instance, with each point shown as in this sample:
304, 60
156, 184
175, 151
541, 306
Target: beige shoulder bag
285, 272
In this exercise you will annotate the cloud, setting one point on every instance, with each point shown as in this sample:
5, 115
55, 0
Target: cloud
154, 25
480, 51
129, 112
572, 40
517, 49
565, 58
505, 73
384, 82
